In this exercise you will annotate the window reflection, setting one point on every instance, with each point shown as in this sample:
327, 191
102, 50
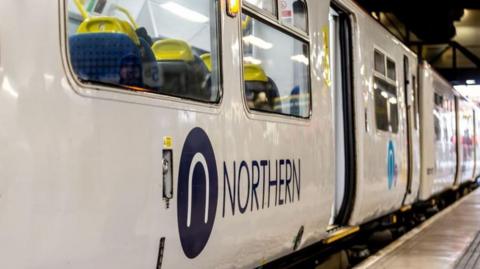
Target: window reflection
267, 5
160, 46
276, 70
294, 13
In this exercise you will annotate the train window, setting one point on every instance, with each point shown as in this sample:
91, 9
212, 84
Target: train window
294, 13
391, 70
276, 70
267, 5
157, 46
436, 126
386, 105
379, 62
438, 99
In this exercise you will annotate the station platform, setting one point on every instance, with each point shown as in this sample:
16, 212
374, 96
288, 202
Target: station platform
450, 239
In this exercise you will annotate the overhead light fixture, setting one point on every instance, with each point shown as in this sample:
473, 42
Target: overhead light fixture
251, 60
300, 58
185, 13
470, 81
257, 42
384, 94
392, 100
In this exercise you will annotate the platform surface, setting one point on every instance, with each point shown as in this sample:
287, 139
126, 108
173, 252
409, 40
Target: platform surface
449, 239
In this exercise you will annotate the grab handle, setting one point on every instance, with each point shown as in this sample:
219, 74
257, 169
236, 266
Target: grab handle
82, 10
126, 12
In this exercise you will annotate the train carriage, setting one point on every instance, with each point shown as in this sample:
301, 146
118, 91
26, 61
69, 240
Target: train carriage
212, 134
448, 130
384, 112
164, 133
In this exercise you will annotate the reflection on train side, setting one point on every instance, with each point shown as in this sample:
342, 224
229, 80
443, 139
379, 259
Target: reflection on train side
467, 141
276, 70
444, 131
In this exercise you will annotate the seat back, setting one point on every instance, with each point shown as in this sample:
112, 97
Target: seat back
152, 77
106, 49
106, 57
261, 91
207, 60
184, 73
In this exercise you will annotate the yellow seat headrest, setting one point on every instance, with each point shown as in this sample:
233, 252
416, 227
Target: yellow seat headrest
254, 72
172, 50
207, 60
108, 25
245, 22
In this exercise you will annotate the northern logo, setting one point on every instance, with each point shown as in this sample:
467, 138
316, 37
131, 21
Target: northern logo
391, 166
197, 192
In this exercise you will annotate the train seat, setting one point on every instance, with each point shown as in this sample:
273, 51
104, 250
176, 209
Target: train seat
183, 72
261, 91
207, 60
143, 34
105, 49
295, 101
152, 78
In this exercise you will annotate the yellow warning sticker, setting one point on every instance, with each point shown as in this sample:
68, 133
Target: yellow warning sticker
167, 142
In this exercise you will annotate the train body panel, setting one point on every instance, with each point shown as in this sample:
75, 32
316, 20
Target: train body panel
381, 155
476, 142
132, 174
465, 141
90, 185
438, 123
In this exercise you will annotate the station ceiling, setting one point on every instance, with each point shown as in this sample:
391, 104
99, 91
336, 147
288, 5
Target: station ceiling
446, 33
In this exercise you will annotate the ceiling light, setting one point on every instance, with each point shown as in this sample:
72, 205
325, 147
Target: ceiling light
184, 12
470, 81
251, 60
300, 58
257, 42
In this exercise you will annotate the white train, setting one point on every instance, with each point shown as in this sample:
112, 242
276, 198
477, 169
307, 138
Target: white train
211, 133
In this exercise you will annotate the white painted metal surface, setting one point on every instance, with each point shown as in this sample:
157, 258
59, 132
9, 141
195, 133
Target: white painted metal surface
465, 141
81, 166
447, 132
374, 197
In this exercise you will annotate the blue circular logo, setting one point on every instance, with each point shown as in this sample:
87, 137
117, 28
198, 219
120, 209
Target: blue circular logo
197, 193
391, 164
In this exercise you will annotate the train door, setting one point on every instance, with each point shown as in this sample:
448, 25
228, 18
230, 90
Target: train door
459, 149
412, 135
341, 59
477, 143
408, 118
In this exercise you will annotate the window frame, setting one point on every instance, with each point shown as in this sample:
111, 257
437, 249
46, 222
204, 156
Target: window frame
375, 51
273, 15
125, 93
292, 27
386, 79
258, 14
387, 75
